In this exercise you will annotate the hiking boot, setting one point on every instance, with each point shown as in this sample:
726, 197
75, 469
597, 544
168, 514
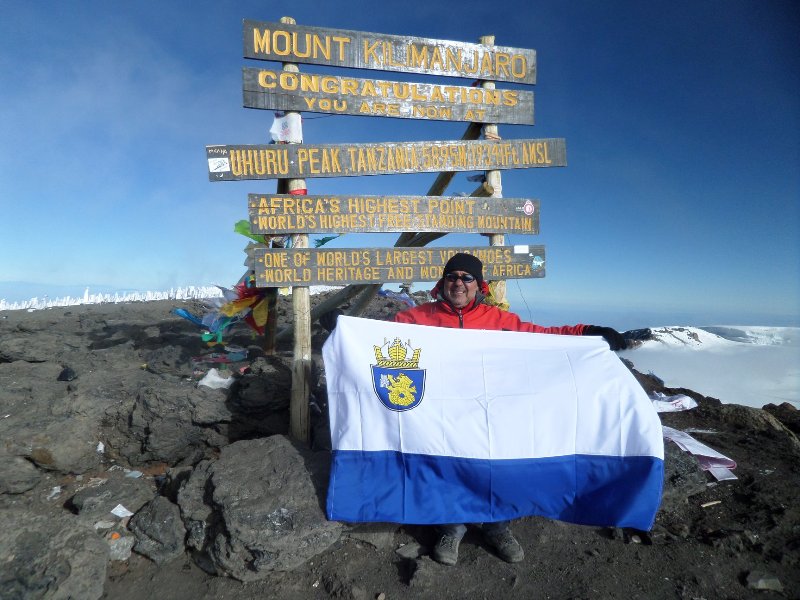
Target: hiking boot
505, 545
446, 550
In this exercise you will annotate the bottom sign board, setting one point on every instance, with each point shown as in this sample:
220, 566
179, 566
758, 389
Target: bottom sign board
282, 267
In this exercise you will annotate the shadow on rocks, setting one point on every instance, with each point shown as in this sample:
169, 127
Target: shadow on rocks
258, 401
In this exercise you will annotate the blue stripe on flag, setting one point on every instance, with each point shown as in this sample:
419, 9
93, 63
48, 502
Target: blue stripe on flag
420, 489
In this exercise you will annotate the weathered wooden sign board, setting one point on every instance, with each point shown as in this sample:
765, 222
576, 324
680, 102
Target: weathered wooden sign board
361, 50
230, 163
330, 94
285, 213
305, 266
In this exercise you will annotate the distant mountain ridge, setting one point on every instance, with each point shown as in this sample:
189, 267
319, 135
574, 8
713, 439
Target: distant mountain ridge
179, 293
715, 336
190, 292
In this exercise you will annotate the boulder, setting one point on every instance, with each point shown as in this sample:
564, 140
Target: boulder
63, 444
95, 502
50, 556
159, 530
195, 504
683, 478
161, 423
37, 420
17, 475
262, 508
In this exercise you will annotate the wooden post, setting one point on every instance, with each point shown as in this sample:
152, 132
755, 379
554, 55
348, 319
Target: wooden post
301, 309
270, 327
493, 180
271, 297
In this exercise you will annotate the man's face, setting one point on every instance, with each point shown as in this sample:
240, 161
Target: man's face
459, 293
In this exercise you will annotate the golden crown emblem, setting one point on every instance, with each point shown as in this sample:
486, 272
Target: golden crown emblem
398, 355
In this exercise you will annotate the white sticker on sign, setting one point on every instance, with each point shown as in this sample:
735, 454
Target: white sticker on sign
219, 165
520, 249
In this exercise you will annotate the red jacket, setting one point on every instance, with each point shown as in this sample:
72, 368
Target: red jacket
476, 316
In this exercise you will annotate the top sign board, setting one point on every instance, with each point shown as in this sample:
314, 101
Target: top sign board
406, 54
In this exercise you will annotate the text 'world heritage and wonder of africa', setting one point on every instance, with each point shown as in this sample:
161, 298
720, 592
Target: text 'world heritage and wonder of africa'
303, 267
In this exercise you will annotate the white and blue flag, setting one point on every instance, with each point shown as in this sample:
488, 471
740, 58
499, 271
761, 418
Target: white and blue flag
432, 425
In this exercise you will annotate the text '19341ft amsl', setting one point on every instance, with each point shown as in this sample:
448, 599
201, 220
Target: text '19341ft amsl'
231, 163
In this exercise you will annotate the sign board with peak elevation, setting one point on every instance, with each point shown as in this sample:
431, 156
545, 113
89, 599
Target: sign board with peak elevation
282, 161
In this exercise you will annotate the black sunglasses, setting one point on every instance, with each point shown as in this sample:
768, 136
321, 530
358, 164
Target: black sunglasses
453, 277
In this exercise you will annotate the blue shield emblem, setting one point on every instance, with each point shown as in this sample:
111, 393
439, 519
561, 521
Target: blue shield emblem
398, 389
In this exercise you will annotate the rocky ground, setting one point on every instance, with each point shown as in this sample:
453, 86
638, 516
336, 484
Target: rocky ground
100, 411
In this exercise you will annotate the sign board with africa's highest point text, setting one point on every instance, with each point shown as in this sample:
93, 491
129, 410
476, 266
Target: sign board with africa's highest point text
272, 214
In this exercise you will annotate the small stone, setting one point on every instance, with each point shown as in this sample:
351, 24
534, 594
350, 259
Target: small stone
380, 596
67, 374
759, 580
120, 545
378, 535
412, 550
358, 593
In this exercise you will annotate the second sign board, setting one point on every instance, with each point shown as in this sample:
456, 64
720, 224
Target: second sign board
285, 213
288, 161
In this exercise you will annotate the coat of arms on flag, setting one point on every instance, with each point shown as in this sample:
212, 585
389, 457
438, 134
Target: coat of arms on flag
397, 379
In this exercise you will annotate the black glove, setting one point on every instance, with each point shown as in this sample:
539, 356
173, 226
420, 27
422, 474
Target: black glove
328, 320
612, 336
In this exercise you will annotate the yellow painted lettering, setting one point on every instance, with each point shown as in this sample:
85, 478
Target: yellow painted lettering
266, 79
330, 85
322, 48
283, 36
309, 82
418, 56
487, 66
341, 41
502, 61
261, 41
370, 52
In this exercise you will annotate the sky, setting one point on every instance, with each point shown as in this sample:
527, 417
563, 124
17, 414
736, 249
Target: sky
680, 203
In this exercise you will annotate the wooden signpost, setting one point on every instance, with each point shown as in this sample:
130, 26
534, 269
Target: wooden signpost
309, 92
406, 54
231, 163
419, 219
304, 267
284, 213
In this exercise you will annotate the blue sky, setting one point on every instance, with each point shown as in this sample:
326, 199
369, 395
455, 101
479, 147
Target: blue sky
680, 204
